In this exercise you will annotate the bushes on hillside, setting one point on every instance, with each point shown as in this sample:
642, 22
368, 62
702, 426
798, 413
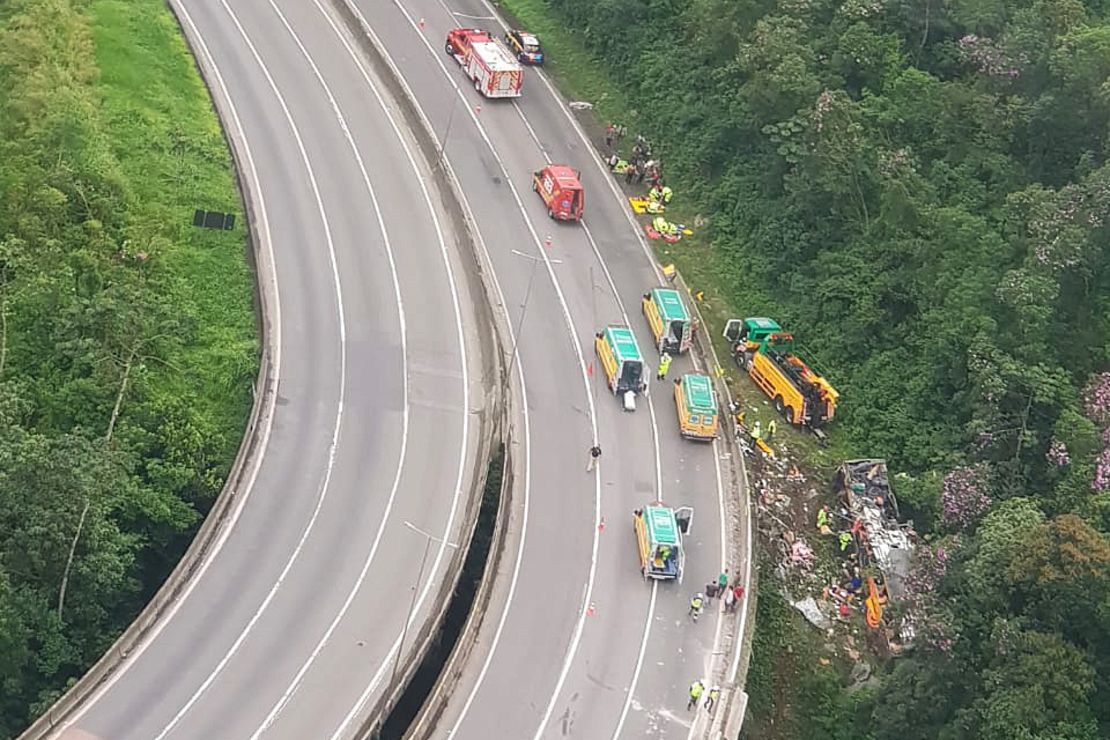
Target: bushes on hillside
921, 192
107, 456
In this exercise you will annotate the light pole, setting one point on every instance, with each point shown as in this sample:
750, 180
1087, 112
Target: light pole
524, 306
428, 538
446, 130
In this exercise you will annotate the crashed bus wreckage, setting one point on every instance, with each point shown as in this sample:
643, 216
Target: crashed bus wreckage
882, 541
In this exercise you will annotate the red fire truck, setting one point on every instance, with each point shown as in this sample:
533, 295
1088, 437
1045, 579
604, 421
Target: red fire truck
561, 191
495, 72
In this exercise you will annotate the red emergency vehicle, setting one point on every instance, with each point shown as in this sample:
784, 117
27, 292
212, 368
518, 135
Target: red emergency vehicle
494, 71
561, 191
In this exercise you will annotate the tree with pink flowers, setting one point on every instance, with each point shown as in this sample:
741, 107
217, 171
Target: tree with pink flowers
964, 496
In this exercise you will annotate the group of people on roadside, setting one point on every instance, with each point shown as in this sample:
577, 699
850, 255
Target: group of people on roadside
697, 688
730, 594
640, 165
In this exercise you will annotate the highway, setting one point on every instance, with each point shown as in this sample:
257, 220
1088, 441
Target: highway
369, 458
575, 643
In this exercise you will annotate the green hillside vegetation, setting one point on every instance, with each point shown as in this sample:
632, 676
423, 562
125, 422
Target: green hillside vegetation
127, 337
920, 192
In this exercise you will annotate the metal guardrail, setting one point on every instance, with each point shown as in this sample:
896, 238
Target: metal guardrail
733, 702
501, 401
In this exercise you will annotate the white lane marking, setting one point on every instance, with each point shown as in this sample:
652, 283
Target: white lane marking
740, 630
531, 132
712, 658
334, 442
514, 579
654, 426
275, 711
639, 661
357, 708
569, 322
605, 174
266, 240
607, 178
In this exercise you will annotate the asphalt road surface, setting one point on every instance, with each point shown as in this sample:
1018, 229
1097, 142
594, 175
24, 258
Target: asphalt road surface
373, 446
575, 643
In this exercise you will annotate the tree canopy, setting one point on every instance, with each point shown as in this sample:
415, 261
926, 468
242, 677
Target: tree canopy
920, 192
123, 385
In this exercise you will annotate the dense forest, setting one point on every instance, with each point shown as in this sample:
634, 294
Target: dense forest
127, 338
920, 191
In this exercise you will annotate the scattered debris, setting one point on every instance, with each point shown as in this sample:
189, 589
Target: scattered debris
812, 612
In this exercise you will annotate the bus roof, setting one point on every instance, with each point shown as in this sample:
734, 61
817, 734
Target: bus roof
698, 392
669, 304
763, 323
661, 526
623, 343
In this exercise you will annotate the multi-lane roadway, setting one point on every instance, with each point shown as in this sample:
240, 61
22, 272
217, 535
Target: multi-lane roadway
575, 643
381, 398
293, 626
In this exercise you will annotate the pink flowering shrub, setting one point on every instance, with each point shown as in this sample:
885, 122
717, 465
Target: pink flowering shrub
1101, 482
964, 497
1057, 453
934, 625
987, 58
1096, 398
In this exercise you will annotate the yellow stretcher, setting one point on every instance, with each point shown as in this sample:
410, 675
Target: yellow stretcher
645, 205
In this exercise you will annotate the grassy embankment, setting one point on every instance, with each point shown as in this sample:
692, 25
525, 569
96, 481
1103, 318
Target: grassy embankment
790, 690
170, 147
128, 342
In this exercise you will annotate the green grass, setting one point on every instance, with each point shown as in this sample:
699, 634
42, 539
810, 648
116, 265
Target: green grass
168, 141
792, 694
580, 76
794, 680
575, 69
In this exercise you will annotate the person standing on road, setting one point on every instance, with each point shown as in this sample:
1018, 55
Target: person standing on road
730, 600
696, 604
711, 702
664, 366
695, 694
722, 580
595, 458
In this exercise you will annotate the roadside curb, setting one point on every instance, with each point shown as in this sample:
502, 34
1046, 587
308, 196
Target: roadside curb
500, 394
734, 700
264, 391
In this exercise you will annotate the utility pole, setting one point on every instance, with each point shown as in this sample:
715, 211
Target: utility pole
447, 130
428, 539
524, 305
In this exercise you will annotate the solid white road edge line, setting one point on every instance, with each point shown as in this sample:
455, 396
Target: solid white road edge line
720, 492
654, 425
275, 711
527, 441
260, 455
569, 322
322, 496
659, 275
712, 659
376, 679
655, 440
